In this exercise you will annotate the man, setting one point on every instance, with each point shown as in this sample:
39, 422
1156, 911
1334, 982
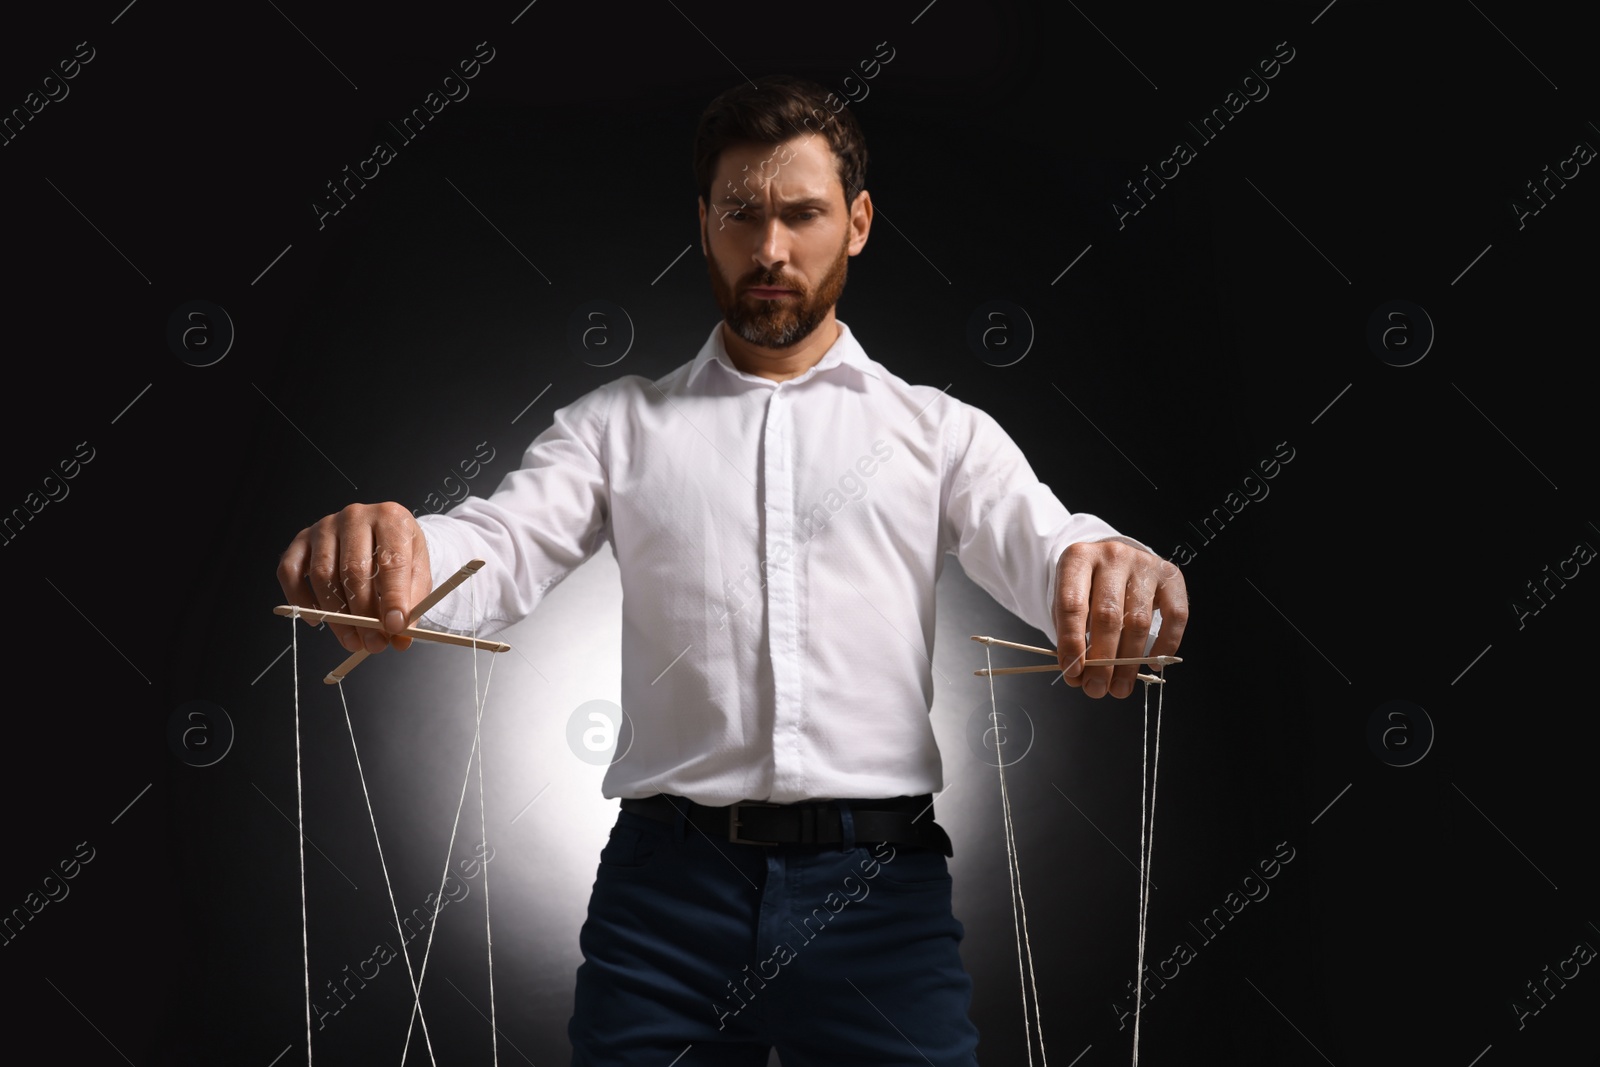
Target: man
780, 508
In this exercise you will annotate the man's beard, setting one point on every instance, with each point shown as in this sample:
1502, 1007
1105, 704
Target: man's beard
785, 321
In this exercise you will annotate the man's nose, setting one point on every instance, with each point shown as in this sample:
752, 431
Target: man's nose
772, 250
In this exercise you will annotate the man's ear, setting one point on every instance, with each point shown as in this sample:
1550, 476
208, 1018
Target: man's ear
703, 250
860, 221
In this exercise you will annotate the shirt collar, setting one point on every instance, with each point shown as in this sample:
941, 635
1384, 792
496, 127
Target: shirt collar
845, 351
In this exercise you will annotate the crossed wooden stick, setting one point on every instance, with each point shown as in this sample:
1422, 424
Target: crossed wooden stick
314, 615
1154, 661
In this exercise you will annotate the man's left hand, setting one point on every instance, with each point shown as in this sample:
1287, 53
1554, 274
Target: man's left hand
1109, 590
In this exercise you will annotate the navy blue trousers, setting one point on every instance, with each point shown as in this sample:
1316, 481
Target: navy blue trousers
698, 952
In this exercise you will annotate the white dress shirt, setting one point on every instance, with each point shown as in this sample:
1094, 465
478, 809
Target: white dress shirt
779, 544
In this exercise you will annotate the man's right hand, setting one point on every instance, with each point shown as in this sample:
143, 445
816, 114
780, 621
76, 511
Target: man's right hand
369, 559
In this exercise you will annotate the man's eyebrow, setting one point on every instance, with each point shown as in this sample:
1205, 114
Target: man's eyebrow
805, 202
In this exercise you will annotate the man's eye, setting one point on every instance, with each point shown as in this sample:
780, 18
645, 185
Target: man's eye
805, 216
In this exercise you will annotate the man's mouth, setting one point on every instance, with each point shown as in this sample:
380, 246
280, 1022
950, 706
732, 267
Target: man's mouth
769, 293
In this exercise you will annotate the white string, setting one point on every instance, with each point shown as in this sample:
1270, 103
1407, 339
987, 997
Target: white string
1019, 907
1144, 792
393, 907
1033, 982
1150, 766
416, 1007
483, 829
1005, 808
300, 825
479, 700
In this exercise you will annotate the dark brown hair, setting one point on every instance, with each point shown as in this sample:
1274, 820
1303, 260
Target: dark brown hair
773, 110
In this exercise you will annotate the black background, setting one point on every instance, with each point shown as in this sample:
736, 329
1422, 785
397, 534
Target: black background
1227, 318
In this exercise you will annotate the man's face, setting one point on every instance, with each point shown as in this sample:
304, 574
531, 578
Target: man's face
777, 238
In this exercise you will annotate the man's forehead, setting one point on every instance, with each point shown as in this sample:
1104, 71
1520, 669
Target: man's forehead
800, 168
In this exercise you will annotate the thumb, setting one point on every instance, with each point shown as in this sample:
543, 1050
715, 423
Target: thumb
396, 561
415, 585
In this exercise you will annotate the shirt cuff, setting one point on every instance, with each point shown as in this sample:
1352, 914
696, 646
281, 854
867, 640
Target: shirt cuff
448, 552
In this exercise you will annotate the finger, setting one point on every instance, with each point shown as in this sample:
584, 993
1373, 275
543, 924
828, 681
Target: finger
292, 571
1137, 618
1106, 598
356, 572
1074, 574
393, 533
421, 573
1172, 599
322, 572
394, 536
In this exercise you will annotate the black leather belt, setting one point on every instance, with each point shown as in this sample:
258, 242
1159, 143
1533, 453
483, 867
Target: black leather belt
897, 820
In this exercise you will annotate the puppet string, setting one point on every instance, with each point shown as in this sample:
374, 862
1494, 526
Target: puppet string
300, 826
479, 700
1150, 765
483, 829
1019, 907
393, 907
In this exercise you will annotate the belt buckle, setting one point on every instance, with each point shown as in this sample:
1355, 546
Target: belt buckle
734, 824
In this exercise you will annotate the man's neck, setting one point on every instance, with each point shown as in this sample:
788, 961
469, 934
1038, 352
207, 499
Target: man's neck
782, 364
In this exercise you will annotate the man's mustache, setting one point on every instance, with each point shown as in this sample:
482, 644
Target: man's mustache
770, 282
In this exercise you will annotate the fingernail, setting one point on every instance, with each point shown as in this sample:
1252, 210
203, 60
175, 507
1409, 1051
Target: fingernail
394, 620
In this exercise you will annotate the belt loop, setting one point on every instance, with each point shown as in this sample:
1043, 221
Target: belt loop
847, 826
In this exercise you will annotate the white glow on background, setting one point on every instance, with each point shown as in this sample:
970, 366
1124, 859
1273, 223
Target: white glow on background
414, 714
1063, 861
568, 653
